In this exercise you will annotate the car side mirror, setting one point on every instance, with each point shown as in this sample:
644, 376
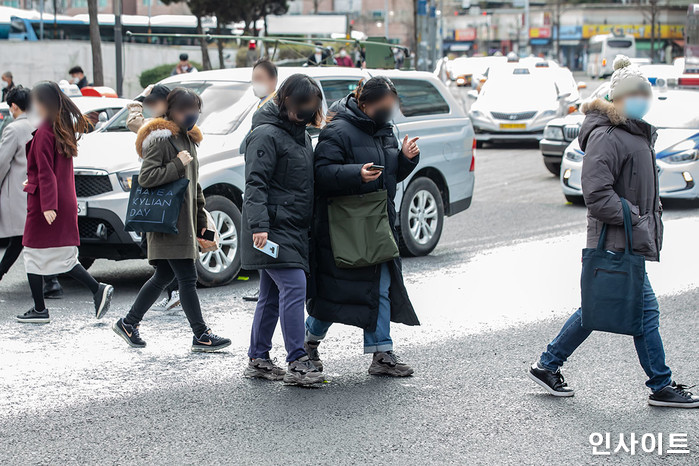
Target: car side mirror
564, 96
582, 85
472, 94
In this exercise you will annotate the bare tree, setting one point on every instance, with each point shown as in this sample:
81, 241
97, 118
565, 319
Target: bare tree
96, 44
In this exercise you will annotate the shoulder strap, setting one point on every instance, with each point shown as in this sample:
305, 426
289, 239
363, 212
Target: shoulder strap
172, 143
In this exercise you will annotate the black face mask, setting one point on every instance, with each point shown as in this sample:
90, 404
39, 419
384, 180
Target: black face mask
190, 120
382, 116
305, 115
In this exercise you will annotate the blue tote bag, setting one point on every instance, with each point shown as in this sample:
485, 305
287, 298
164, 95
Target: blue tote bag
612, 285
155, 209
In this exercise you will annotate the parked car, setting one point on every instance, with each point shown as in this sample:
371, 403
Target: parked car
5, 116
661, 75
677, 148
441, 185
518, 104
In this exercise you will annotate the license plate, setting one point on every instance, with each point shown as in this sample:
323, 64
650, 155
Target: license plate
513, 126
82, 208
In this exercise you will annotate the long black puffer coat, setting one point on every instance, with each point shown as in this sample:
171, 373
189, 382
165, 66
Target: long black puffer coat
278, 190
350, 140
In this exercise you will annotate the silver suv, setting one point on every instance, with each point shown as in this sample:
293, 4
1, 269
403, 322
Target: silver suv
441, 185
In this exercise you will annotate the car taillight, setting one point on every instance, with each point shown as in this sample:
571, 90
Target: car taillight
473, 156
604, 62
572, 108
688, 81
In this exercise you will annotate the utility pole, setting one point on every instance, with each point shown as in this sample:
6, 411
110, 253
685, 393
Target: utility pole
118, 46
526, 27
386, 14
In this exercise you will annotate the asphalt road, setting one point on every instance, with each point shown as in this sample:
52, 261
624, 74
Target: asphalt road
490, 297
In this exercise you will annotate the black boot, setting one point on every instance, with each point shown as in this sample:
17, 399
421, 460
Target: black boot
52, 289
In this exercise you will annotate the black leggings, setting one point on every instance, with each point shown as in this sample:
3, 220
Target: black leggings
14, 249
36, 284
165, 270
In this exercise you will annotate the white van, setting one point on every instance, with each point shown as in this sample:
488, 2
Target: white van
602, 50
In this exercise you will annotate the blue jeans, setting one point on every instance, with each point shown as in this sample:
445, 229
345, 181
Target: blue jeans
649, 345
374, 342
282, 296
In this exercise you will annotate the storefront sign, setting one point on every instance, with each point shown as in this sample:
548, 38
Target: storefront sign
465, 35
568, 32
540, 33
639, 31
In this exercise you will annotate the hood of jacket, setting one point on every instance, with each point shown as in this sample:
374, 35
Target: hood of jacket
159, 129
269, 114
600, 112
348, 109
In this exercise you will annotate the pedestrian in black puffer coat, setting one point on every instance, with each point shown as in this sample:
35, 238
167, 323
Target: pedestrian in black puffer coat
360, 134
278, 207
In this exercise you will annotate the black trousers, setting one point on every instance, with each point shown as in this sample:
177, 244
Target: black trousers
14, 249
165, 271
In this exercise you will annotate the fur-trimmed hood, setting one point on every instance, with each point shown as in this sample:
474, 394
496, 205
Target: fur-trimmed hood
159, 129
602, 113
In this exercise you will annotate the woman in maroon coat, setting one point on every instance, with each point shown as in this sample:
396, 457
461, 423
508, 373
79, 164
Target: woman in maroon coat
51, 236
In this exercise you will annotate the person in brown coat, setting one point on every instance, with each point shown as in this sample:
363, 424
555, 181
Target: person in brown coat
168, 147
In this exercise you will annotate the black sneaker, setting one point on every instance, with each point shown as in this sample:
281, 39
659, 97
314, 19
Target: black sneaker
388, 363
552, 382
34, 317
311, 348
52, 289
129, 333
263, 368
209, 342
103, 298
303, 372
674, 396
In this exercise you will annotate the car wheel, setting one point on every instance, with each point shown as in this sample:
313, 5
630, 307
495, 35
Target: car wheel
220, 267
86, 262
553, 167
421, 217
575, 200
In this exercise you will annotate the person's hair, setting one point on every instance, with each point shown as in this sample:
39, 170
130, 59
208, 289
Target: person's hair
65, 117
299, 89
181, 98
374, 90
75, 70
7, 74
20, 97
184, 57
269, 67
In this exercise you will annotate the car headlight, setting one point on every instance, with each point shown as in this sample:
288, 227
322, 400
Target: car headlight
126, 178
555, 133
476, 114
574, 155
683, 157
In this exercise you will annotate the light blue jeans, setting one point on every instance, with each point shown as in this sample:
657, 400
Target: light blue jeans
374, 342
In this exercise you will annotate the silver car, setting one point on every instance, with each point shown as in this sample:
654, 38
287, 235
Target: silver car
442, 184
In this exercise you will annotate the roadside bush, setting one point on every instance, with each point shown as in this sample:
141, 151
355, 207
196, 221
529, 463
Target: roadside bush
160, 72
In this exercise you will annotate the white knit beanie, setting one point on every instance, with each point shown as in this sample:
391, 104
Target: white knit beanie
627, 79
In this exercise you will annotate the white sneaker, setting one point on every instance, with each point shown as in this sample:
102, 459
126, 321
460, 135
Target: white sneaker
174, 303
160, 305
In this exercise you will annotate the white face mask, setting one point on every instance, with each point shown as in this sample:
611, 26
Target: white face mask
343, 53
74, 80
3, 84
260, 90
34, 118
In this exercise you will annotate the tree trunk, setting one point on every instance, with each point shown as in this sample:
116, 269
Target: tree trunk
55, 25
219, 44
205, 60
96, 44
653, 14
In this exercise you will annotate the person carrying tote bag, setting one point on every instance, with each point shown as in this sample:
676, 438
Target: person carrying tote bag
356, 276
168, 147
620, 187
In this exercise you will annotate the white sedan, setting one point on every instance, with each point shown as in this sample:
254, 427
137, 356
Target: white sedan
517, 106
677, 148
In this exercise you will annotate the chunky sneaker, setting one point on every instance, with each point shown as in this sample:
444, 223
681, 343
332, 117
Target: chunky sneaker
129, 333
161, 305
209, 342
253, 297
263, 368
552, 382
674, 396
103, 298
169, 303
303, 372
387, 363
52, 289
311, 348
34, 317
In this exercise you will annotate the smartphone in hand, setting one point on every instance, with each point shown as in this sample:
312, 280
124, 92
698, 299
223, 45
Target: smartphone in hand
208, 235
270, 248
376, 168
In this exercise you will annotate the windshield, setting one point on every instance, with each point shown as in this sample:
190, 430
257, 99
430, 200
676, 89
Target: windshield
222, 110
671, 111
504, 89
